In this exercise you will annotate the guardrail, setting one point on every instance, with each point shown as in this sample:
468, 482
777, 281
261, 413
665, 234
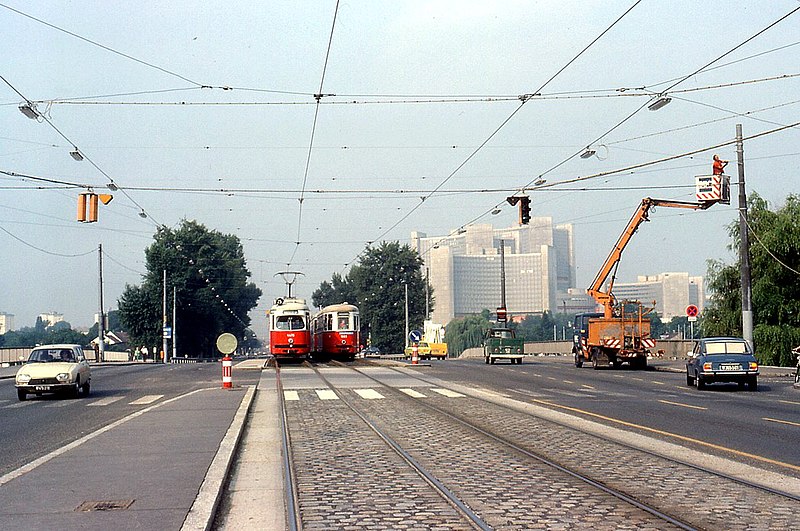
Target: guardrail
14, 356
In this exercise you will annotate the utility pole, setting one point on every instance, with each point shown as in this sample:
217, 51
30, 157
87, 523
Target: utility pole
174, 322
503, 274
406, 287
744, 246
101, 321
164, 344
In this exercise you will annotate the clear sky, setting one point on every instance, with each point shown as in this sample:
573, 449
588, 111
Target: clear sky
421, 100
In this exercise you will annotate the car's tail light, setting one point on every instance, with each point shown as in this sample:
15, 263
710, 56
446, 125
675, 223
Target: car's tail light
753, 366
707, 366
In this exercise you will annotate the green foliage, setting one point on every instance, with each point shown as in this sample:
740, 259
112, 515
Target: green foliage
466, 333
39, 335
540, 327
206, 268
774, 262
376, 284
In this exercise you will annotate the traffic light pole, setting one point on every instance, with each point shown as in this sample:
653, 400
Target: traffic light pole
101, 320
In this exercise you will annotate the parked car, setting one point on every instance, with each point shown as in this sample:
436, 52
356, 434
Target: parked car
54, 369
370, 352
722, 359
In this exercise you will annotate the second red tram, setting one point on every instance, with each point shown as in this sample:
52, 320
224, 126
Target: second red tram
289, 329
336, 331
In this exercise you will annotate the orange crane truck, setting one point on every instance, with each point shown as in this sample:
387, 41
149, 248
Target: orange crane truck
621, 333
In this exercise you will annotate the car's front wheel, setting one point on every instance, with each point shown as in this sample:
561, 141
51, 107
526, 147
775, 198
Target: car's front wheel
86, 388
22, 395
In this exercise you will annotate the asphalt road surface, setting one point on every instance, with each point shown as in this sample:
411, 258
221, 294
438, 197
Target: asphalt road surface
760, 428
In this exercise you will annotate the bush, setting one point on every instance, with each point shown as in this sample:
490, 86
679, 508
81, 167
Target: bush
774, 344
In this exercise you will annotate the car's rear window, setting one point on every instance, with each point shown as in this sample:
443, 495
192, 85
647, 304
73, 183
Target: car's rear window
726, 347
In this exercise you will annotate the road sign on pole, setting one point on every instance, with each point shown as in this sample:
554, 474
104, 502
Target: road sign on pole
691, 312
415, 336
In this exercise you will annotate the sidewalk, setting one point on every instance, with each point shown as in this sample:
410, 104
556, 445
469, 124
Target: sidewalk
148, 470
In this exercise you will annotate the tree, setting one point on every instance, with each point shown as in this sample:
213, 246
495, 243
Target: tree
209, 273
376, 284
775, 262
466, 332
337, 291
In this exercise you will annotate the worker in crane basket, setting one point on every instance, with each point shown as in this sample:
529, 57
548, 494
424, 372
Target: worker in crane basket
719, 165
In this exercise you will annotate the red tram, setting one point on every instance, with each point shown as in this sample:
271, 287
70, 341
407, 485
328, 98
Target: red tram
336, 331
289, 329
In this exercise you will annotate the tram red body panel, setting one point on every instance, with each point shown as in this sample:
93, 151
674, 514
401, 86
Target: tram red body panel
289, 329
336, 331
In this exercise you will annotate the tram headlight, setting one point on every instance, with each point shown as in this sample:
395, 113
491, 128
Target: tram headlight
291, 341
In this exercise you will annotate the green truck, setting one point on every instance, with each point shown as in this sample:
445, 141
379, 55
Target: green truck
502, 344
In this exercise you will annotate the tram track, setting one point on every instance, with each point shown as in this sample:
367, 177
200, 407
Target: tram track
512, 448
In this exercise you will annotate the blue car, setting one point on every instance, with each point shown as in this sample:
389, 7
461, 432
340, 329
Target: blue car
722, 359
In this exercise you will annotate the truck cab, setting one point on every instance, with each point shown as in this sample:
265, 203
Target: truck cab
502, 344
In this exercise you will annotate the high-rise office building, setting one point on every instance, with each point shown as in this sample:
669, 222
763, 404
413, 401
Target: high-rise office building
464, 268
672, 293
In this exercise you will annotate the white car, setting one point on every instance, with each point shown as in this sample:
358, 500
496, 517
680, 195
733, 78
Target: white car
54, 369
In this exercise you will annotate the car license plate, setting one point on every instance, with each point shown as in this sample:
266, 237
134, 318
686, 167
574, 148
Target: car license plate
42, 388
729, 367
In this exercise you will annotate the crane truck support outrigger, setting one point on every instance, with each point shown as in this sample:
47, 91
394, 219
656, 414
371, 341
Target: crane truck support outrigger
622, 332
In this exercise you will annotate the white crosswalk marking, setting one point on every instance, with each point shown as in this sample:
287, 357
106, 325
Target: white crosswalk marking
18, 404
448, 393
326, 394
106, 401
369, 394
291, 395
147, 399
412, 393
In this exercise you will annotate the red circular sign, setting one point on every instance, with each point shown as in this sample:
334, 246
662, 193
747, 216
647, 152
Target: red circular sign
692, 310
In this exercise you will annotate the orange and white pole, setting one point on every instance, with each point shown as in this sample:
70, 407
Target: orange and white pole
415, 355
227, 377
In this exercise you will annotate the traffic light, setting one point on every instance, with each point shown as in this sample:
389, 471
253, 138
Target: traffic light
524, 210
88, 204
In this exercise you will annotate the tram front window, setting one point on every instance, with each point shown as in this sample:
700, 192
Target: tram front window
289, 322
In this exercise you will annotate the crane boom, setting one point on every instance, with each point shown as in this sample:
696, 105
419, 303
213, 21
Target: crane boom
604, 297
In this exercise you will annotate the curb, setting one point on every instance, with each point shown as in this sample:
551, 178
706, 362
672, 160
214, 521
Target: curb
201, 515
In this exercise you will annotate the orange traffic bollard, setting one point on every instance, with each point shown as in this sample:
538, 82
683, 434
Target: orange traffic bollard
415, 355
227, 377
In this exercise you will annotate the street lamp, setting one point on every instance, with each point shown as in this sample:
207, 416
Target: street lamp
659, 103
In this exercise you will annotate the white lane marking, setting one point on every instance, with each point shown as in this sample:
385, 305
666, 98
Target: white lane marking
568, 381
60, 403
790, 423
412, 393
369, 394
146, 399
682, 405
448, 393
106, 401
789, 402
18, 404
587, 386
326, 394
658, 383
291, 395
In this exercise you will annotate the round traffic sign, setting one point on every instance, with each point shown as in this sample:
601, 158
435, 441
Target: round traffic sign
415, 336
227, 343
692, 310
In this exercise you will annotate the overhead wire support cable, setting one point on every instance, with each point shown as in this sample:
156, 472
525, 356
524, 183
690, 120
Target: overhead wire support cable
524, 98
83, 155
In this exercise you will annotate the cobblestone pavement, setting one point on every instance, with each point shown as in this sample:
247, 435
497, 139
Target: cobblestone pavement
348, 478
506, 488
673, 488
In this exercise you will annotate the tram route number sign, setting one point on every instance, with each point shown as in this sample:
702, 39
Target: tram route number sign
415, 336
692, 311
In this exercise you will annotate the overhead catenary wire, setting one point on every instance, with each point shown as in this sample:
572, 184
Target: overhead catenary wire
318, 97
